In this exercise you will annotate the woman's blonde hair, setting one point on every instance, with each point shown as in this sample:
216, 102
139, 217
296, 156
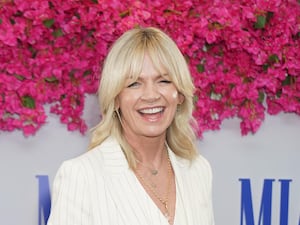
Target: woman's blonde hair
125, 59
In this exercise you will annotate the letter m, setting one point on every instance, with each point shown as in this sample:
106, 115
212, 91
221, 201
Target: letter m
247, 215
44, 199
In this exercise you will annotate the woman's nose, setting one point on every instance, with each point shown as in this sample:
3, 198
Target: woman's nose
150, 93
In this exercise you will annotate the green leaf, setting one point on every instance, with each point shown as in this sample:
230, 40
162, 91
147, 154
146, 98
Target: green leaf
195, 99
278, 93
87, 72
48, 23
260, 22
265, 67
200, 68
51, 6
19, 77
95, 1
58, 33
0, 21
288, 80
273, 58
52, 79
124, 13
76, 14
33, 51
12, 21
261, 97
269, 16
28, 102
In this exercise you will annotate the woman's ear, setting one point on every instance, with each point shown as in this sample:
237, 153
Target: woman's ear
180, 98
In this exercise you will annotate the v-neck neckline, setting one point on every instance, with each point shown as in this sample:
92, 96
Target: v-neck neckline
153, 204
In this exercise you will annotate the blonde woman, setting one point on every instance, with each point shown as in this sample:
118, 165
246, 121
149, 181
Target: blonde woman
143, 166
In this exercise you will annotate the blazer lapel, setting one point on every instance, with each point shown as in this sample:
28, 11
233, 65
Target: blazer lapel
126, 192
180, 167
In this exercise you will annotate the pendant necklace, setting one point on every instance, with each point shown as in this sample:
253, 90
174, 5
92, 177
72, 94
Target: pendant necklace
164, 200
153, 171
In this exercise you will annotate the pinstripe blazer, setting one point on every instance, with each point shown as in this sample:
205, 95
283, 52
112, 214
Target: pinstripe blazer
98, 188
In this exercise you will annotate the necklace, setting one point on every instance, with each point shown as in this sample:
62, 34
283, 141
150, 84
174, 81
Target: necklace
153, 171
165, 200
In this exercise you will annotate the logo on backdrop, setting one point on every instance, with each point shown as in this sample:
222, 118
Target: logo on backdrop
265, 211
247, 215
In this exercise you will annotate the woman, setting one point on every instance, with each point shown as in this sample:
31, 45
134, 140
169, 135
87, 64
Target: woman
142, 167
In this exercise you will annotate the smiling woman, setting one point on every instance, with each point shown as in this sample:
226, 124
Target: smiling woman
143, 166
135, 51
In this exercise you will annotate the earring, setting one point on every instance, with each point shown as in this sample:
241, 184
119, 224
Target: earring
117, 114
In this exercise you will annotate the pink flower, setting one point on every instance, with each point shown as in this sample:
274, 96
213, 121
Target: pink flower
7, 34
53, 53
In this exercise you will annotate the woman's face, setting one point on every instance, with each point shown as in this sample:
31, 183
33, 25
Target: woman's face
148, 105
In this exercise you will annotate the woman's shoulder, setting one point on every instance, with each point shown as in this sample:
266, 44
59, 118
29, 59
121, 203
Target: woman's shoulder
201, 160
198, 160
199, 164
202, 166
96, 155
98, 158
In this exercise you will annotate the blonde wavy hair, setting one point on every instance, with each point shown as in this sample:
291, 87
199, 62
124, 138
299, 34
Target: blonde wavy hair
125, 59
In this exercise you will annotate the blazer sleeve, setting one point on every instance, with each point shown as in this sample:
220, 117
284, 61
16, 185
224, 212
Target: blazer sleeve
70, 196
206, 177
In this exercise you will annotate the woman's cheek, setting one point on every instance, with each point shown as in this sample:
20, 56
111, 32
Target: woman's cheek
175, 94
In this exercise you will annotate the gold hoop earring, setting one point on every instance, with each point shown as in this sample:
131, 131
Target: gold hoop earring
117, 114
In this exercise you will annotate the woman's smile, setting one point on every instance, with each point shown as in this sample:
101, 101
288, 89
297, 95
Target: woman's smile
152, 114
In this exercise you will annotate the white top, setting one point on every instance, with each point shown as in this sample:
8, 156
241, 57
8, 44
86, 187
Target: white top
98, 188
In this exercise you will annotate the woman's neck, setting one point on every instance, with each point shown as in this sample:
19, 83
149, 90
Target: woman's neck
149, 150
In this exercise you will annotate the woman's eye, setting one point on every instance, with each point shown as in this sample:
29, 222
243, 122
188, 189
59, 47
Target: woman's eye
134, 84
165, 81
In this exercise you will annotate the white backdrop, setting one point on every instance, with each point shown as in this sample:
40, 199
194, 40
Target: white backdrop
272, 153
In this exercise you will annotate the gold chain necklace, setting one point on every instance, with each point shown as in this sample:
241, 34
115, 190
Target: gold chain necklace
153, 171
166, 199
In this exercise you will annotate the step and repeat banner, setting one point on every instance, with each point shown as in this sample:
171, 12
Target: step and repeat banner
256, 177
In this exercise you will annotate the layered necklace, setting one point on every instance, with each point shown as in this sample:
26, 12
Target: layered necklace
153, 171
164, 200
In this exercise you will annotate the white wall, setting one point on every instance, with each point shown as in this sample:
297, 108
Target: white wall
273, 152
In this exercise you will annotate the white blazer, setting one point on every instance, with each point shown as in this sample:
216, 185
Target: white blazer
98, 188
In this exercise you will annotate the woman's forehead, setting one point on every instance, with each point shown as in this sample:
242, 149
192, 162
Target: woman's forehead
136, 64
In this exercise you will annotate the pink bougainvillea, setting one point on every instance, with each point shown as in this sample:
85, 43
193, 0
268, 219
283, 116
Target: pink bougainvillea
244, 56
